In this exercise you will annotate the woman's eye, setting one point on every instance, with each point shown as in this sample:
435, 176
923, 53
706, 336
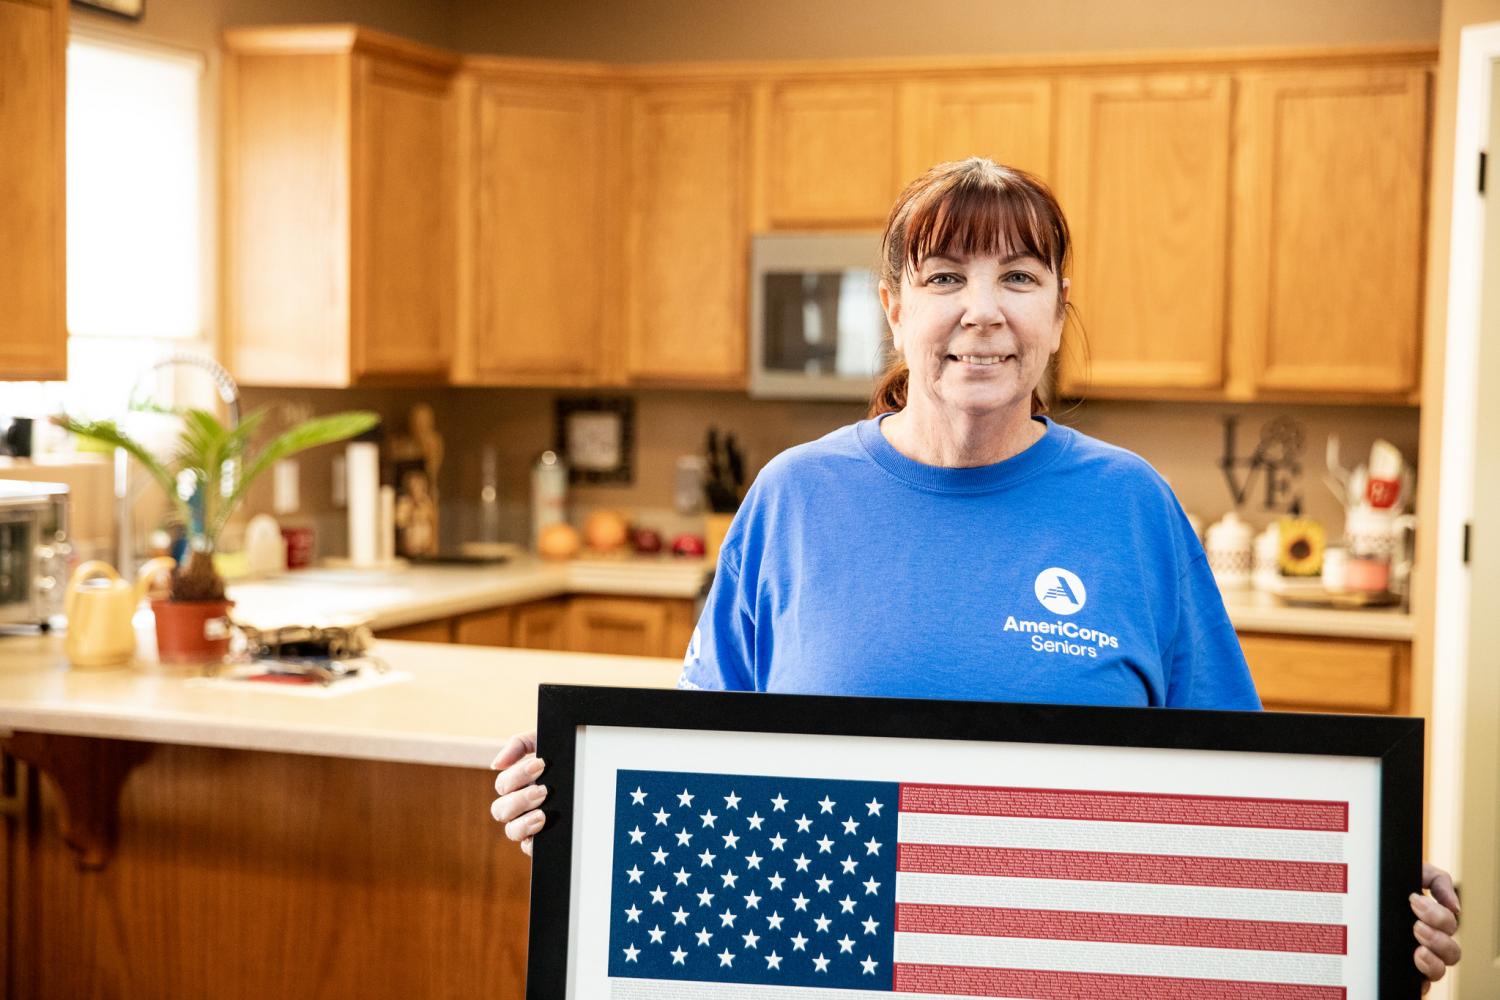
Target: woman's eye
1021, 278
943, 278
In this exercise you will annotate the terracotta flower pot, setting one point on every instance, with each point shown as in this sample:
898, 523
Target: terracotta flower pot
192, 631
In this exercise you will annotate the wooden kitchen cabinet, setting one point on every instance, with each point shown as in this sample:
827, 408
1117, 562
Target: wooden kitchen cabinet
339, 208
541, 625
624, 625
492, 627
1007, 119
1143, 174
829, 154
33, 80
1306, 673
688, 237
1329, 229
440, 630
535, 249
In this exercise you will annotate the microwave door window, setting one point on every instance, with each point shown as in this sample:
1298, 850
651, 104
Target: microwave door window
822, 323
16, 545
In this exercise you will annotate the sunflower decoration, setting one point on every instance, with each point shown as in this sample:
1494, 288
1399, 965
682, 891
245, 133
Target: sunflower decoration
1301, 549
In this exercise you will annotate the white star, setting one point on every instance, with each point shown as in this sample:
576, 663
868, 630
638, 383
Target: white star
851, 825
869, 964
658, 895
730, 878
679, 916
778, 804
660, 856
872, 846
849, 865
752, 901
634, 873
823, 882
636, 835
752, 860
728, 917
827, 804
661, 817
778, 842
870, 924
799, 943
683, 837
801, 861
776, 881
706, 859
682, 875
685, 798
874, 806
731, 801
871, 886
725, 958
847, 904
679, 956
755, 821
631, 952
846, 944
708, 818
799, 901
637, 797
773, 961
731, 840
774, 921
633, 915
803, 823
822, 921
825, 846
820, 964
703, 937
656, 934
750, 938
705, 898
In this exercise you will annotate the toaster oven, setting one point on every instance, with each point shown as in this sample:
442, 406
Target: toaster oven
34, 551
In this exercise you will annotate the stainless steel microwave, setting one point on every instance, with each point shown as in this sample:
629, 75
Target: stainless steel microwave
33, 551
816, 327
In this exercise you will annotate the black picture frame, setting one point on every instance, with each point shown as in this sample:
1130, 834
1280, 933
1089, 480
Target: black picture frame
574, 414
130, 10
564, 711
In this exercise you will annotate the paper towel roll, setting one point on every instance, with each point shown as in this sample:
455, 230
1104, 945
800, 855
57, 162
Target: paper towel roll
362, 462
386, 552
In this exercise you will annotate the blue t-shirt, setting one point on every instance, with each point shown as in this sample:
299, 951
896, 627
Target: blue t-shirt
1066, 574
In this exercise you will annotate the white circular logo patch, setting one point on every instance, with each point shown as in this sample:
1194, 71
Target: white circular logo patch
1060, 591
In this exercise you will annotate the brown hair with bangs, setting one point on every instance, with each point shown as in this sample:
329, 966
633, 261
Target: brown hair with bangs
973, 206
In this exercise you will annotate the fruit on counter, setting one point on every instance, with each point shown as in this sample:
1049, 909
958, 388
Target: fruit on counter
646, 541
1300, 550
605, 531
558, 541
688, 545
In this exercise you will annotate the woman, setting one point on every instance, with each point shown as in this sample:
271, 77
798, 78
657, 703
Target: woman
958, 544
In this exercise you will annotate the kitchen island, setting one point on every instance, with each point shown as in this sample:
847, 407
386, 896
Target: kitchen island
248, 841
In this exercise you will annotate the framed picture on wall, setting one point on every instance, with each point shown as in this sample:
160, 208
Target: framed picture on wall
132, 9
702, 841
597, 435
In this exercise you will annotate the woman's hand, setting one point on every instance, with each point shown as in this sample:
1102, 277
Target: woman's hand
520, 797
1437, 922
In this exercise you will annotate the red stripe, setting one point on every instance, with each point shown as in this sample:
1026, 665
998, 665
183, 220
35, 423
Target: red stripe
1126, 807
965, 981
1111, 866
1123, 928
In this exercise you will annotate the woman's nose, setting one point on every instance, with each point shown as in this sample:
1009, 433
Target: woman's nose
982, 307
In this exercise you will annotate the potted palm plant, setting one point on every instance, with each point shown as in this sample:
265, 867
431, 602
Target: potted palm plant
206, 479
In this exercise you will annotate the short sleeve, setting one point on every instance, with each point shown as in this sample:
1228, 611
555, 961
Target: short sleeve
720, 656
1206, 667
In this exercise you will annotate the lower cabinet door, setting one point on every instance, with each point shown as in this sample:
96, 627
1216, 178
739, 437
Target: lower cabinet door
1295, 673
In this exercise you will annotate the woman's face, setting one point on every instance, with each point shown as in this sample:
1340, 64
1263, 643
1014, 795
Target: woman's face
976, 331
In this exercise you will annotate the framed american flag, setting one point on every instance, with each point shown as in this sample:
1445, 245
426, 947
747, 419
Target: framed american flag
704, 846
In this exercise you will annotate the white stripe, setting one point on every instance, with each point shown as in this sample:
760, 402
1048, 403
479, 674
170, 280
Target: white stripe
1123, 959
668, 989
1121, 897
1131, 838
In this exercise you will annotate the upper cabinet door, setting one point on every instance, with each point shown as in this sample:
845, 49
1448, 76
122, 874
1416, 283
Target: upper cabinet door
33, 75
1329, 228
538, 250
403, 196
1143, 175
687, 237
1006, 120
831, 157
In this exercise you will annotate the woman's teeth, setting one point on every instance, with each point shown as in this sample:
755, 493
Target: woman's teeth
980, 359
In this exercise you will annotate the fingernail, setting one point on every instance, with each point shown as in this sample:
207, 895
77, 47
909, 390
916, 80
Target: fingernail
535, 766
1414, 897
538, 793
537, 823
495, 764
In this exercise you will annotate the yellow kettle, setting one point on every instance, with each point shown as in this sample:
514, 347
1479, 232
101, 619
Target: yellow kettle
100, 606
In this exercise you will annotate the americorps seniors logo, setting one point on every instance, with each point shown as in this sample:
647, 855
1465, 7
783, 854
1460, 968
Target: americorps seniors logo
1060, 591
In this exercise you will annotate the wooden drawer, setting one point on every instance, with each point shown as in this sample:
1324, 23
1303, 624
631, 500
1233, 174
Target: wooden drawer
434, 631
494, 627
1329, 675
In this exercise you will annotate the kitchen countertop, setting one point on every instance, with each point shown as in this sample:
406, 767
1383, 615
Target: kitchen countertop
1254, 611
456, 708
